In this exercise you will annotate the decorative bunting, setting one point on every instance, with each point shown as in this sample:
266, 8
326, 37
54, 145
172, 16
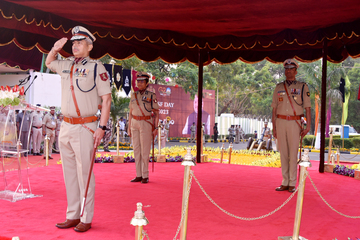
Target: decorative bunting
126, 85
133, 80
118, 78
109, 69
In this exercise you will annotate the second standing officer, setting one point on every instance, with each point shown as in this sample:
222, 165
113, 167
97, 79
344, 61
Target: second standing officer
141, 125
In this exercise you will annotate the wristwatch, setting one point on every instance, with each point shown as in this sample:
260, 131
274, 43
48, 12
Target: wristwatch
102, 127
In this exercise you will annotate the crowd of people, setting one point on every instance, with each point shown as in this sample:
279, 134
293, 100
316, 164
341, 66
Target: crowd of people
33, 126
236, 133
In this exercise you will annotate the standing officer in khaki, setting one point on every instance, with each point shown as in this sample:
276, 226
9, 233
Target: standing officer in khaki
142, 104
193, 132
49, 127
84, 85
36, 129
266, 131
57, 131
290, 98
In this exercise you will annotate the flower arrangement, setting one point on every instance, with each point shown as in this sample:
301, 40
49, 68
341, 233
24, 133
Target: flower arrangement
356, 166
178, 158
344, 170
106, 158
129, 157
177, 153
11, 96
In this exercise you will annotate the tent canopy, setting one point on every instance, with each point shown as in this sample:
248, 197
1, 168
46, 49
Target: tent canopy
176, 30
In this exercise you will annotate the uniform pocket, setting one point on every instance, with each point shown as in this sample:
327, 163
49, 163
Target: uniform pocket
85, 84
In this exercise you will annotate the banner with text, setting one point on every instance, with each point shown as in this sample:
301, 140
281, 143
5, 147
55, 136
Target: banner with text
175, 103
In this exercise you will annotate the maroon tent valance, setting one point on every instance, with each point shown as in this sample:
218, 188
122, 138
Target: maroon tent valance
250, 32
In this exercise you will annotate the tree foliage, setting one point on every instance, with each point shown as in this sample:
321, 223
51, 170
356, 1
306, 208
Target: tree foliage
247, 89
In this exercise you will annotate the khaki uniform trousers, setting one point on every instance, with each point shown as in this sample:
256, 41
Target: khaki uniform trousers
141, 137
192, 139
76, 146
237, 137
288, 138
57, 132
51, 134
36, 139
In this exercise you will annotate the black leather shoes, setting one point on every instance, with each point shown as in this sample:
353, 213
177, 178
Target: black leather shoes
137, 179
292, 189
82, 227
68, 223
282, 188
145, 180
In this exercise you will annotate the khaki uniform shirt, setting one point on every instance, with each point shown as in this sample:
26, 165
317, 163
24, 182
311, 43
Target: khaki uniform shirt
193, 128
299, 95
37, 119
58, 124
147, 102
50, 121
266, 133
88, 91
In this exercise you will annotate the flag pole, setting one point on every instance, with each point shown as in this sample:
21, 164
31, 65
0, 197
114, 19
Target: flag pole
342, 125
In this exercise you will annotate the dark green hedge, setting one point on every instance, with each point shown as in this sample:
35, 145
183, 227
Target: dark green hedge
356, 142
337, 141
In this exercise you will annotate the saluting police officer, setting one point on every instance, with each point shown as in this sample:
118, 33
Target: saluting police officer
290, 98
85, 84
141, 125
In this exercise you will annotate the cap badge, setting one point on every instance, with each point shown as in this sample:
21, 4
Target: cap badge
76, 29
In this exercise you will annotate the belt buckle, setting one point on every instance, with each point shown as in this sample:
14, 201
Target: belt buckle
71, 120
288, 117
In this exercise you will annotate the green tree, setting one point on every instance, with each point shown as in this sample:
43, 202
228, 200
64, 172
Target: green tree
119, 106
312, 75
186, 75
354, 106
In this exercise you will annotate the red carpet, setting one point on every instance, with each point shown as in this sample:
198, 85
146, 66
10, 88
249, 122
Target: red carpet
242, 190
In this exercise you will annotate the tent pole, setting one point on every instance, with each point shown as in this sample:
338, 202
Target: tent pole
323, 106
200, 99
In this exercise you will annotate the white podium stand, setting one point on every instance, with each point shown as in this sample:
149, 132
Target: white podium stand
14, 164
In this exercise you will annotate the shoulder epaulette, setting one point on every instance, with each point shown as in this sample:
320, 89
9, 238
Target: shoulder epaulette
94, 60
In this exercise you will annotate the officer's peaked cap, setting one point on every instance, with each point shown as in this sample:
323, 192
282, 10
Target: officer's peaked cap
80, 33
142, 76
290, 63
